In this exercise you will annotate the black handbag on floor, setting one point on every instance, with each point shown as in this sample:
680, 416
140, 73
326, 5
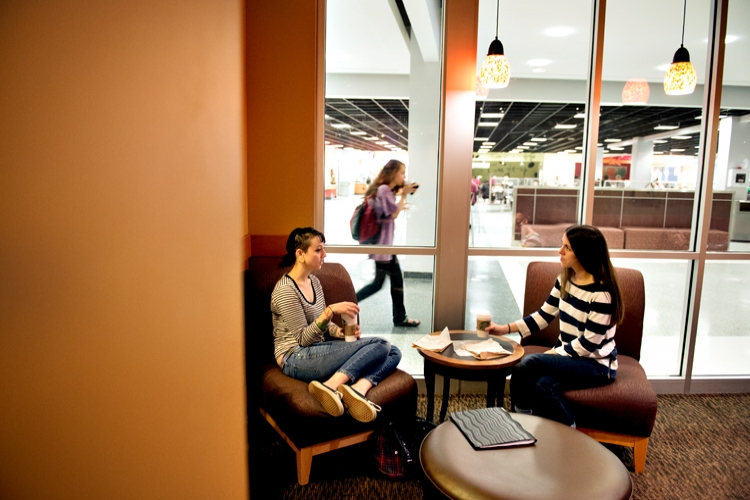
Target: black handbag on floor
397, 448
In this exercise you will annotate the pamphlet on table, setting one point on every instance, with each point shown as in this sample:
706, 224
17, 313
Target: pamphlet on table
436, 343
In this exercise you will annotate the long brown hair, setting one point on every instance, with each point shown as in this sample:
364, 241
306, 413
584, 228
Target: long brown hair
590, 248
385, 176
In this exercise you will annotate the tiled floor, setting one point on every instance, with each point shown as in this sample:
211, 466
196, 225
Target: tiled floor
496, 284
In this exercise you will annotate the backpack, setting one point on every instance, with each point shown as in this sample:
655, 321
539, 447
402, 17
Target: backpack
364, 224
397, 448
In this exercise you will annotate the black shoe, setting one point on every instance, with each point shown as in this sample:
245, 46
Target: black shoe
408, 323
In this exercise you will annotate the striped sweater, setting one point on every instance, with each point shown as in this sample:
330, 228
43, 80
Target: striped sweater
584, 322
294, 316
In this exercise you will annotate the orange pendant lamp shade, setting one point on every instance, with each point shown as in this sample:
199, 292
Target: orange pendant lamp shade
680, 78
636, 91
495, 71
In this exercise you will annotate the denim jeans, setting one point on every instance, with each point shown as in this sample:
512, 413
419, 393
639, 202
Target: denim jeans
393, 270
371, 358
538, 381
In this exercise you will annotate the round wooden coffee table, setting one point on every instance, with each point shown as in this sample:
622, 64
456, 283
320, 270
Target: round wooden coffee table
564, 464
450, 365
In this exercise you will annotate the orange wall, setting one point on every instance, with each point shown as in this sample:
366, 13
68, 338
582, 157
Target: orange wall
122, 183
281, 113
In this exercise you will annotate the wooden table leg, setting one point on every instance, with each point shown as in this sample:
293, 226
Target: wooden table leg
429, 382
446, 396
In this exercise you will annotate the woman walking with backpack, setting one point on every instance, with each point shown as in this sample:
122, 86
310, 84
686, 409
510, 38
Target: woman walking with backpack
390, 179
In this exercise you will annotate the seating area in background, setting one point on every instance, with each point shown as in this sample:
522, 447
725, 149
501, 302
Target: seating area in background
623, 412
284, 402
633, 219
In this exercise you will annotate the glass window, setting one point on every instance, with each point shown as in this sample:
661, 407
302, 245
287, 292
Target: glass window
496, 285
732, 168
376, 311
528, 136
383, 68
723, 343
648, 165
665, 282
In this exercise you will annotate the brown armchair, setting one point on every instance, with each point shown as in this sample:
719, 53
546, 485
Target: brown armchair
623, 412
284, 402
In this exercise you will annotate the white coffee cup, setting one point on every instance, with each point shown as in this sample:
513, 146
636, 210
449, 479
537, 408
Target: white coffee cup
483, 321
350, 327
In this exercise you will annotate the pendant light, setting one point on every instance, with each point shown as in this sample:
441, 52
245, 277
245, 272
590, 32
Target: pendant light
495, 71
635, 91
680, 78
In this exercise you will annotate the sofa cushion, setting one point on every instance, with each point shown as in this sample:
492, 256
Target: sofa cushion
659, 238
656, 238
296, 411
627, 405
551, 235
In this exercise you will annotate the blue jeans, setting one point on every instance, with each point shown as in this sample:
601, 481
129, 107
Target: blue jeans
538, 381
370, 358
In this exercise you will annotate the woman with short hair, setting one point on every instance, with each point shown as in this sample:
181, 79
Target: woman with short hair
339, 373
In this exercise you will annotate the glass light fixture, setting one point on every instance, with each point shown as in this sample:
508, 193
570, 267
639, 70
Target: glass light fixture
681, 78
635, 91
495, 71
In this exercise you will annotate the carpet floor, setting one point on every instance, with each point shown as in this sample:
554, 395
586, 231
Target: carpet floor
698, 450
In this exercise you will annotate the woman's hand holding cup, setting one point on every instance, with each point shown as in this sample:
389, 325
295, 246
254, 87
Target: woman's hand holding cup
349, 318
496, 329
349, 308
484, 320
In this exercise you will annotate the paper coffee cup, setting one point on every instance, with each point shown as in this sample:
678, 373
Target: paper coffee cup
483, 321
350, 327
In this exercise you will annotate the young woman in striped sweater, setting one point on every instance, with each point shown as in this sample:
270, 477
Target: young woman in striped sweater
340, 373
587, 299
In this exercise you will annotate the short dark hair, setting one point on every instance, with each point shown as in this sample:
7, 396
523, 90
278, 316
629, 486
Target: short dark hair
299, 238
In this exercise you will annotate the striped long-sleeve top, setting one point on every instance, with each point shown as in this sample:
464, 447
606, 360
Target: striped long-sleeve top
294, 316
585, 314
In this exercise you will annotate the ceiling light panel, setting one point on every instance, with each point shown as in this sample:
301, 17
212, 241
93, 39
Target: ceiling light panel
341, 125
559, 31
488, 124
492, 115
565, 126
666, 127
538, 63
